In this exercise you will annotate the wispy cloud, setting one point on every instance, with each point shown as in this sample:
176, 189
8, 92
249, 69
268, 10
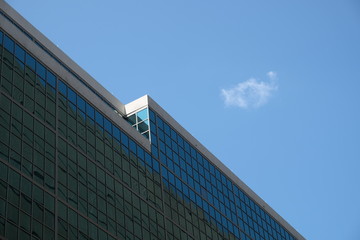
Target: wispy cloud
251, 93
272, 75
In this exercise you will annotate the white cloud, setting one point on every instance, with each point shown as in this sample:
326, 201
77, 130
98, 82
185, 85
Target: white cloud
272, 75
251, 93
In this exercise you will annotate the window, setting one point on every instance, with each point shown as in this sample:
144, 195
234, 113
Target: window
140, 121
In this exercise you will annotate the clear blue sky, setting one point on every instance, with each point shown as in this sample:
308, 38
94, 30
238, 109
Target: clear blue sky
272, 88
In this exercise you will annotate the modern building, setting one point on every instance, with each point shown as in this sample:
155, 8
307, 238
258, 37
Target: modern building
76, 163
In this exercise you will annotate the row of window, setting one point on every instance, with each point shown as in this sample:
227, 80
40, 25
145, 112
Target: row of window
27, 143
188, 164
184, 190
191, 217
27, 208
26, 87
11, 49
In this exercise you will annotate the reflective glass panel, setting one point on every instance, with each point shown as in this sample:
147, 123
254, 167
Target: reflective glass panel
143, 126
71, 96
81, 103
20, 53
132, 119
142, 115
51, 79
9, 44
99, 118
40, 70
62, 88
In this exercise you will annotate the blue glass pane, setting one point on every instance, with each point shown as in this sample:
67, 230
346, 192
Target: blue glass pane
156, 166
107, 125
173, 134
81, 103
1, 37
124, 139
9, 44
116, 133
171, 178
62, 88
152, 115
140, 152
51, 79
165, 172
160, 123
42, 82
167, 129
142, 115
148, 159
153, 139
180, 141
30, 62
90, 111
20, 53
152, 127
154, 151
71, 96
40, 70
99, 118
132, 146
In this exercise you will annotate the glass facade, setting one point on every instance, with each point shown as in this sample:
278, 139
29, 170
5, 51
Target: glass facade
68, 172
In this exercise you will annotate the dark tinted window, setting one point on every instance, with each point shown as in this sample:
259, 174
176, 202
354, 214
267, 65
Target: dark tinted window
62, 88
81, 103
116, 133
90, 111
99, 118
107, 125
8, 44
51, 79
20, 53
71, 95
40, 70
30, 62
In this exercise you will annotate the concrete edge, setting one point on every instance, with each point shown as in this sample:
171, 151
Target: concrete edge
136, 105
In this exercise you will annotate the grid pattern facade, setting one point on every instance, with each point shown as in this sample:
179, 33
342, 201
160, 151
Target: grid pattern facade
77, 177
68, 172
195, 182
